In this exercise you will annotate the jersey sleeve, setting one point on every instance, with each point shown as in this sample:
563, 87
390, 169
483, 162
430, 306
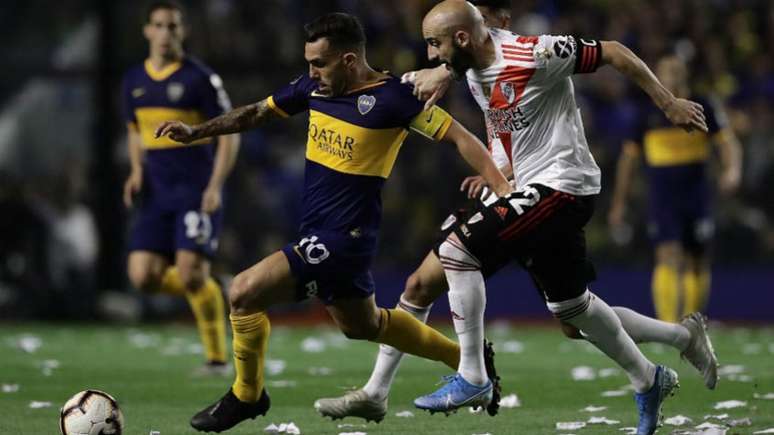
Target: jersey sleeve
432, 123
127, 105
292, 98
562, 56
214, 99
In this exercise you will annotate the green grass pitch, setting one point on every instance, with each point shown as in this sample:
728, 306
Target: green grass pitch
148, 369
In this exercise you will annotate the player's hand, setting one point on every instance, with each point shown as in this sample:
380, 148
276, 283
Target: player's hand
474, 185
176, 130
430, 85
686, 114
211, 200
132, 186
615, 217
729, 181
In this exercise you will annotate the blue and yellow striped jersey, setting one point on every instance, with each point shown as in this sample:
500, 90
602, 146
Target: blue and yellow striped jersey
187, 91
352, 143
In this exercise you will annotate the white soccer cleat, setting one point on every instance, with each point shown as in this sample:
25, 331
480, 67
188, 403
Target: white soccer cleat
355, 403
700, 352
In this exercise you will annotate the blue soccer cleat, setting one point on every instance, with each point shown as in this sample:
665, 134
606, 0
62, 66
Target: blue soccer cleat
649, 403
455, 394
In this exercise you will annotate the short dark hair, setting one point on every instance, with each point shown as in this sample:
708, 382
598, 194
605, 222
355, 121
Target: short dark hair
495, 4
163, 4
344, 31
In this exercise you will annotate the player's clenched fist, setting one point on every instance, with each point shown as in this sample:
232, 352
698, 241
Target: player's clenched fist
176, 130
132, 186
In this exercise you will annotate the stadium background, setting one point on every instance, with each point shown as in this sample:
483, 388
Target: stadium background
63, 152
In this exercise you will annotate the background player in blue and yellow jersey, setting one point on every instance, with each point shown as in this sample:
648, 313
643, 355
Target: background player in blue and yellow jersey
358, 119
680, 219
179, 207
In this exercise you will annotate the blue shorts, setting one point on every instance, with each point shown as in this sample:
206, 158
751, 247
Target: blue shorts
166, 230
332, 266
680, 210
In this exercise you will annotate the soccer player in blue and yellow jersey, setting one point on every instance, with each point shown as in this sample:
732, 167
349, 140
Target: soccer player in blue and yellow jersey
358, 119
680, 221
178, 214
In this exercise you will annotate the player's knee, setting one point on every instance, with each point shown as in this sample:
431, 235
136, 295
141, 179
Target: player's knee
418, 291
192, 278
145, 279
571, 331
360, 330
244, 293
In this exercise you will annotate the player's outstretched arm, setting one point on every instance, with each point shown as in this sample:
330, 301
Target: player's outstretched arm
235, 121
430, 85
683, 113
474, 152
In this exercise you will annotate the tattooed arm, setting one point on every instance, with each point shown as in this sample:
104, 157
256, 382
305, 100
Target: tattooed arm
235, 121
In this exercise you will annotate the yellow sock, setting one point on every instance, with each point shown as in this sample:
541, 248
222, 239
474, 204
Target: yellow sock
207, 306
251, 339
171, 283
697, 287
666, 294
402, 331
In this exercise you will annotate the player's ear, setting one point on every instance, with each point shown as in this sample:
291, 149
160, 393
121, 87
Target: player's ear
349, 59
461, 38
146, 31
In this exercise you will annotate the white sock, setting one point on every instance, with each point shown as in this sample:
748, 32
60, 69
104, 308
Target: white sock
388, 359
599, 322
467, 300
643, 329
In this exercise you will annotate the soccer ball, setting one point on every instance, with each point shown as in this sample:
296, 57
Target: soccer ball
91, 412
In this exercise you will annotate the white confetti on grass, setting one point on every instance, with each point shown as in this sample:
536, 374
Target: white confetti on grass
583, 373
319, 371
275, 367
10, 388
730, 404
350, 425
614, 393
602, 420
38, 405
592, 408
752, 348
608, 372
678, 420
747, 421
767, 396
288, 428
404, 414
510, 401
513, 346
29, 343
771, 430
48, 366
731, 369
282, 383
629, 430
570, 425
716, 416
313, 345
353, 433
739, 378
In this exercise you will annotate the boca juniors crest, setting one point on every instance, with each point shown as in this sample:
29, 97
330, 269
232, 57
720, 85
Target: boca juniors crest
175, 91
365, 103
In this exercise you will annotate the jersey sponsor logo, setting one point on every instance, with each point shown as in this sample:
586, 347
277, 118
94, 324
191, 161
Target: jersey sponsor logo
138, 92
506, 120
175, 91
564, 48
365, 103
332, 142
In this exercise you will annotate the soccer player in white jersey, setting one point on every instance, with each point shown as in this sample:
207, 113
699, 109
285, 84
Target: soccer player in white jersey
523, 86
428, 282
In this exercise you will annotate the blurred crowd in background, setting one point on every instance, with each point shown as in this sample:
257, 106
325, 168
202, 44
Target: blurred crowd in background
63, 145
